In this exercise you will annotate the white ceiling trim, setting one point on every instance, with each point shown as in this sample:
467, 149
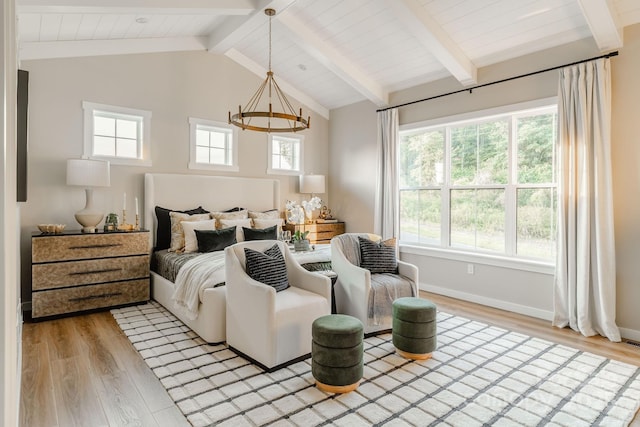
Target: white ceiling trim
69, 49
602, 23
333, 60
255, 68
438, 43
235, 29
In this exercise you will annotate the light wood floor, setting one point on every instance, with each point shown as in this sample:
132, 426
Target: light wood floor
83, 371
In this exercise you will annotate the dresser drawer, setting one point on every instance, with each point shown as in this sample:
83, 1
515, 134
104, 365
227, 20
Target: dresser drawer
69, 300
63, 248
70, 273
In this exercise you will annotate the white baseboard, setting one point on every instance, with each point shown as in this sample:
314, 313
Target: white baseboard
491, 302
626, 333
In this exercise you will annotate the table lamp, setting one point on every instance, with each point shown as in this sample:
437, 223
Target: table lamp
312, 184
89, 174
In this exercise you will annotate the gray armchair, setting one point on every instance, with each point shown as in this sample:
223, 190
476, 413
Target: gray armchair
365, 295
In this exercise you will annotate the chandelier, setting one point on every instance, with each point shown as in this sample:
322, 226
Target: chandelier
285, 120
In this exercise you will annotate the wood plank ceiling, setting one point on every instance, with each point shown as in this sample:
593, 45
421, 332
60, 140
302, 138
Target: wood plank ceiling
327, 53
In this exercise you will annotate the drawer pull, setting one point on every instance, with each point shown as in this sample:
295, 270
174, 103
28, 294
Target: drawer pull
105, 245
106, 270
90, 297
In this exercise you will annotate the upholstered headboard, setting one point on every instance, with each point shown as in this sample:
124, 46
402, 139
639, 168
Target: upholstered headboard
214, 193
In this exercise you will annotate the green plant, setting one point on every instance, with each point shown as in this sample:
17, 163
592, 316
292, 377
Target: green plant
299, 235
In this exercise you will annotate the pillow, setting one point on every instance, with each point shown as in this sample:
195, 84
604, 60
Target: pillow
239, 223
270, 233
268, 267
378, 257
189, 228
163, 230
177, 233
270, 214
241, 214
215, 240
266, 223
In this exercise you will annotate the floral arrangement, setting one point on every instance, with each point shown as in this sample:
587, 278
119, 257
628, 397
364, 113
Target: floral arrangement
296, 211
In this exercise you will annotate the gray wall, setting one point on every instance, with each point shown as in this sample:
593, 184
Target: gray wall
174, 87
353, 137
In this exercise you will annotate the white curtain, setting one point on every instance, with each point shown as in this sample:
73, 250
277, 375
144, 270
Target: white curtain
387, 211
585, 282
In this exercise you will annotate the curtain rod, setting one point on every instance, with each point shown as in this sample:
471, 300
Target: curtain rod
470, 89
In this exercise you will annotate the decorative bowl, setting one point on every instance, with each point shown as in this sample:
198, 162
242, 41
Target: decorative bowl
51, 228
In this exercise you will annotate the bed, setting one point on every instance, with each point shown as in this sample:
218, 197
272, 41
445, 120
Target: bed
214, 193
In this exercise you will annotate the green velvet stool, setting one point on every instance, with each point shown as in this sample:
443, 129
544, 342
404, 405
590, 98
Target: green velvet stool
337, 353
414, 327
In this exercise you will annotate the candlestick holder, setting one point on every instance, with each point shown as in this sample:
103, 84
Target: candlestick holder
137, 227
124, 226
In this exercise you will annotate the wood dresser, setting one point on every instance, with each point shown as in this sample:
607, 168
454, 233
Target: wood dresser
73, 271
318, 232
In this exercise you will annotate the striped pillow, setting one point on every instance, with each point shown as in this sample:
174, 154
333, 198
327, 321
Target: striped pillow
268, 267
378, 257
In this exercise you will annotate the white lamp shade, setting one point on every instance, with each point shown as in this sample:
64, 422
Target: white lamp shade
313, 184
88, 173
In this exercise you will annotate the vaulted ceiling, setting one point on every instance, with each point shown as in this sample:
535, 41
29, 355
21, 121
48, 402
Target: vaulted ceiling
327, 53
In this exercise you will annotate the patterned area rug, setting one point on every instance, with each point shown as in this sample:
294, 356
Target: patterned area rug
479, 375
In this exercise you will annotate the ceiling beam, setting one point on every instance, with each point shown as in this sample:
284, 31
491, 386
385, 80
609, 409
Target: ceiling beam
603, 23
333, 60
68, 49
260, 71
236, 28
428, 32
189, 7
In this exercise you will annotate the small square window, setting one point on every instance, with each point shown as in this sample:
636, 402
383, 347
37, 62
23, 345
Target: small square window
213, 145
285, 155
118, 134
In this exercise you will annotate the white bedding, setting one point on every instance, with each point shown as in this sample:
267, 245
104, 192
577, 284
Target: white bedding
207, 270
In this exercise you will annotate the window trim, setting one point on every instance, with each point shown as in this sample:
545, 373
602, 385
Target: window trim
193, 164
276, 171
144, 137
509, 258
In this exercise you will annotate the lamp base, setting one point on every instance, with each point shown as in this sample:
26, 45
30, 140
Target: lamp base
88, 221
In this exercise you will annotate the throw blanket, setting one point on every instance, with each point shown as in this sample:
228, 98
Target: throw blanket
207, 271
386, 288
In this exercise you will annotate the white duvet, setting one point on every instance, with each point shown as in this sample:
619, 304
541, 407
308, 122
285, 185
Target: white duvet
207, 270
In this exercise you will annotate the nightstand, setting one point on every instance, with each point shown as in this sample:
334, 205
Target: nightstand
318, 232
73, 271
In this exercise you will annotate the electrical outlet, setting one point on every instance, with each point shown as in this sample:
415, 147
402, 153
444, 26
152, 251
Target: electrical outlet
470, 269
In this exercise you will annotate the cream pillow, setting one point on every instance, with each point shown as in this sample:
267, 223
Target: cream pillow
266, 223
190, 227
272, 214
238, 223
177, 233
243, 214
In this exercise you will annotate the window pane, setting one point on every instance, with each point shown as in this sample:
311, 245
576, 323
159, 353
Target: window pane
218, 139
536, 222
420, 216
127, 148
104, 126
202, 138
276, 147
202, 154
478, 219
479, 153
421, 159
104, 146
217, 156
127, 129
536, 148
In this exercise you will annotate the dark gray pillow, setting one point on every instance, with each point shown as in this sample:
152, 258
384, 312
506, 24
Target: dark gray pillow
267, 267
269, 233
377, 257
215, 240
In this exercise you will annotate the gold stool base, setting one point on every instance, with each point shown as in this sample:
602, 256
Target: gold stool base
337, 388
413, 356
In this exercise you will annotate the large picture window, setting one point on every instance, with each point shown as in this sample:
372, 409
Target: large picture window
483, 184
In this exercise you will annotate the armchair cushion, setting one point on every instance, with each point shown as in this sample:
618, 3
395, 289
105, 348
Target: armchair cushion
267, 267
378, 257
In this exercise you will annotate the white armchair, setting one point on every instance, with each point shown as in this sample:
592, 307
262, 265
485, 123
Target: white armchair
364, 295
269, 327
